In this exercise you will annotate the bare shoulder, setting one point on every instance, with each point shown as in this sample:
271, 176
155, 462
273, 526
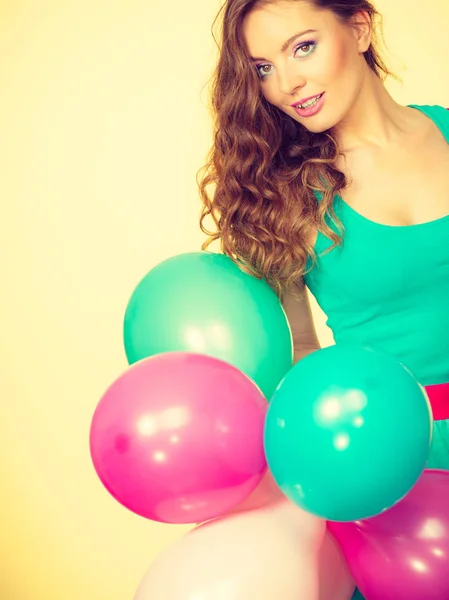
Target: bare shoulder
297, 308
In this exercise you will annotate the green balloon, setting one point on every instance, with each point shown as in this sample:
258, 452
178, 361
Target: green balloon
347, 433
203, 302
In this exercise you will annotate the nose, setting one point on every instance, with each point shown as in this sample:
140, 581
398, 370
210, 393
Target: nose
290, 79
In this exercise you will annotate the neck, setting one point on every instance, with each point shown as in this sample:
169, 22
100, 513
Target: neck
374, 119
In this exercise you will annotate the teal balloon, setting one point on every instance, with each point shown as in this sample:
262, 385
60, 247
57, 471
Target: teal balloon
347, 433
203, 302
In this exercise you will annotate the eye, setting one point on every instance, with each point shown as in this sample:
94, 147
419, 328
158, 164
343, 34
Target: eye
304, 49
262, 73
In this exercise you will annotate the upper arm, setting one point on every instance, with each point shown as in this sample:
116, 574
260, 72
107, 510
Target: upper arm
299, 315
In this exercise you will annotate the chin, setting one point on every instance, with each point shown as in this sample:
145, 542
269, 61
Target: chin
319, 129
316, 124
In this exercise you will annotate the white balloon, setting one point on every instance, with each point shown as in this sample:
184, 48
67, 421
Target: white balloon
277, 551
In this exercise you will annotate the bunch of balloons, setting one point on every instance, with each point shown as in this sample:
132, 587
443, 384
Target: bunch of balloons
211, 397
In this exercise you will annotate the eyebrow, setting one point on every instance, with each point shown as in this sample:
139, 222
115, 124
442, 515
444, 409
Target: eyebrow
289, 41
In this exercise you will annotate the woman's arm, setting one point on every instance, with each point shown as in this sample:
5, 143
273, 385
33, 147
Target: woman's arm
299, 315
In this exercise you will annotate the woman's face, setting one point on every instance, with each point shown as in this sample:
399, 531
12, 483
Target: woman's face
326, 58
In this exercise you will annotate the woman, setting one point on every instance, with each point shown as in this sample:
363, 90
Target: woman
321, 179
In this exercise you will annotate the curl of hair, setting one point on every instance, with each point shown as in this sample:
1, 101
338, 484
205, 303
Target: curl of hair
264, 167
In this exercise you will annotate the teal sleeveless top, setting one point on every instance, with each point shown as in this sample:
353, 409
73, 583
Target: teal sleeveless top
387, 287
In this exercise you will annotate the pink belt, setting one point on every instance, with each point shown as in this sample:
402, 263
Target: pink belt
439, 400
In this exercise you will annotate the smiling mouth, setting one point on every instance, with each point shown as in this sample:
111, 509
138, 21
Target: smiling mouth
309, 103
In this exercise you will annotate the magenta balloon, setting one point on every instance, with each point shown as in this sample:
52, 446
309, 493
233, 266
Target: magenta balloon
403, 554
178, 438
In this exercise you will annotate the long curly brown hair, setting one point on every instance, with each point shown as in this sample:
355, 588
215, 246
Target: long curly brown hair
264, 167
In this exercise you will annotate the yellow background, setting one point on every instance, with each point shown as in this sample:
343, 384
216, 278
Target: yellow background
103, 125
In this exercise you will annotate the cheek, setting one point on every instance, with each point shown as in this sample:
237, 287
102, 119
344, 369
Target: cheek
271, 93
270, 97
332, 64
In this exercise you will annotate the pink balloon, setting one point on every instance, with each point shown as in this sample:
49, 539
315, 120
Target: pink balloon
277, 551
266, 492
178, 438
403, 554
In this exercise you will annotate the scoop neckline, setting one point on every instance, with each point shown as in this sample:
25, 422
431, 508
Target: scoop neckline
414, 226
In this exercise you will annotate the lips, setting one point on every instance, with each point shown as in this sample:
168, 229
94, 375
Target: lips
312, 107
304, 100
